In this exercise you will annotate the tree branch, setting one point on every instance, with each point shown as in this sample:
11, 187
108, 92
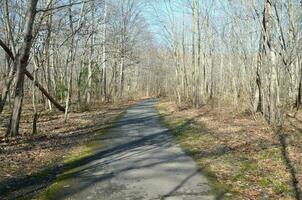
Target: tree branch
62, 6
10, 54
7, 50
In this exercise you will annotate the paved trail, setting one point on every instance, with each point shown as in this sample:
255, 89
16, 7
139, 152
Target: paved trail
142, 161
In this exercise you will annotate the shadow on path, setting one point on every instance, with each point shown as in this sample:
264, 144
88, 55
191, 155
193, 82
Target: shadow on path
289, 164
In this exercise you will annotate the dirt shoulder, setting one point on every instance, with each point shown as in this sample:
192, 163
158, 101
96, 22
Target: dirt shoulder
28, 164
242, 155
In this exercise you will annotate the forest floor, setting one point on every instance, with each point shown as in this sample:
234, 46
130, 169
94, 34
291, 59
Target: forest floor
29, 163
239, 151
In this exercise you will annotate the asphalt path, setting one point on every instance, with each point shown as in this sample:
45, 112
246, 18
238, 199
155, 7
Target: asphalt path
142, 161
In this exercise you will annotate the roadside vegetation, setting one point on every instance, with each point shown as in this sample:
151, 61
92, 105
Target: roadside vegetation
242, 155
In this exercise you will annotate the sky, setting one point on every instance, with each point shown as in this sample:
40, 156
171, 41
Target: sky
226, 16
158, 14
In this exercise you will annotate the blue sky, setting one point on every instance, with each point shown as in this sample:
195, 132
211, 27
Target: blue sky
225, 16
156, 13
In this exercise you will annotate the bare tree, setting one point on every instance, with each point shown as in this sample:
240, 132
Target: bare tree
21, 61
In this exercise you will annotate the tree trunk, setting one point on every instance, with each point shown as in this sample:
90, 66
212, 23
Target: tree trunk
184, 75
5, 90
34, 103
273, 81
21, 63
13, 129
258, 92
47, 55
88, 95
104, 71
299, 96
122, 76
194, 64
90, 65
122, 48
70, 61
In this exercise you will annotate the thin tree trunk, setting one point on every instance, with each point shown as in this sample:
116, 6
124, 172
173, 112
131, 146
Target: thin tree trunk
90, 65
47, 55
122, 67
299, 96
184, 79
5, 90
71, 62
72, 54
194, 27
122, 48
35, 113
104, 71
258, 93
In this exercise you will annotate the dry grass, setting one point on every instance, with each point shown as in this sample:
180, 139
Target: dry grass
243, 155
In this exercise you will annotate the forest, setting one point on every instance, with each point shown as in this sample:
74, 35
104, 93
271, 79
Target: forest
71, 68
